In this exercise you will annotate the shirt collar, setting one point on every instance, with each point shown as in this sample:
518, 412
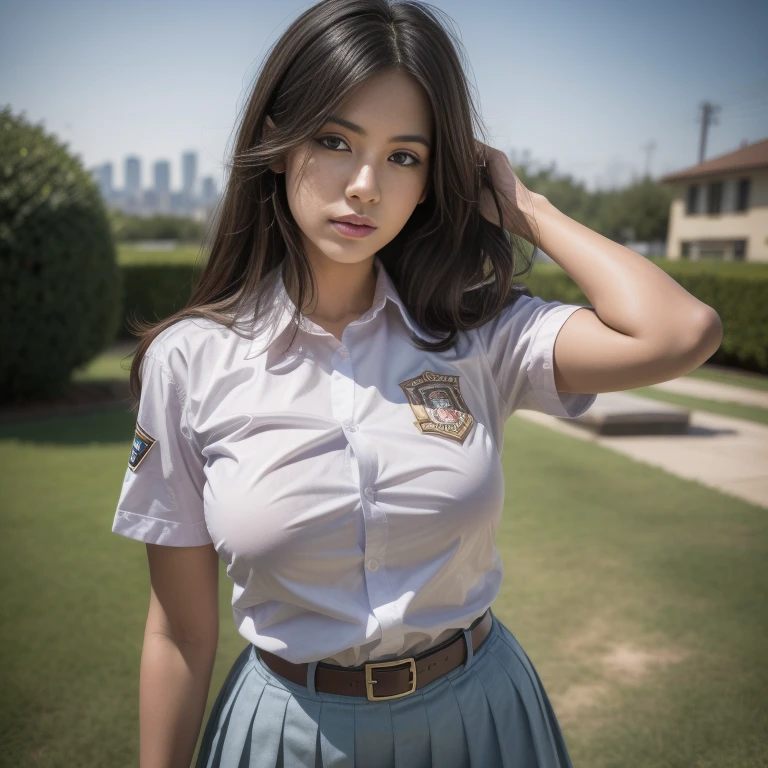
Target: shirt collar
279, 316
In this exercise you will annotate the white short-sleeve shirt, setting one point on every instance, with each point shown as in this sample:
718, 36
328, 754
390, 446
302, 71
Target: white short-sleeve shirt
353, 488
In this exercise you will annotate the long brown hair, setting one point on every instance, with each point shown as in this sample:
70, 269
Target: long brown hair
453, 269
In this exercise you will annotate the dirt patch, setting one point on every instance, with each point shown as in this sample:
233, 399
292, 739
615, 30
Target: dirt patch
612, 664
629, 663
579, 700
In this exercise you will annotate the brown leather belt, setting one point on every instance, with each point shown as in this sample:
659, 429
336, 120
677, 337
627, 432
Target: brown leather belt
393, 679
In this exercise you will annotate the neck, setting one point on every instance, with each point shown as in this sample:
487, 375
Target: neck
344, 291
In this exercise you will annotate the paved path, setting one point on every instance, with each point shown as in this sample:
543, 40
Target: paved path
729, 455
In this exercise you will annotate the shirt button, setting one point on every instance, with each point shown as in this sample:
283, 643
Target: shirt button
372, 564
369, 493
350, 427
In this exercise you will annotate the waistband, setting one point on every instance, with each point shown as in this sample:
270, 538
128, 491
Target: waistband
384, 680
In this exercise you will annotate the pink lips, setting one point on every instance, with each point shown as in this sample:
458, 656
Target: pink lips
352, 230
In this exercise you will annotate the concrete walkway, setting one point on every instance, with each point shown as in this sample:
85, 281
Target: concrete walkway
726, 454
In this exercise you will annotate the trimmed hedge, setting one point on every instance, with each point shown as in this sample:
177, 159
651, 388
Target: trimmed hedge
60, 285
154, 292
735, 291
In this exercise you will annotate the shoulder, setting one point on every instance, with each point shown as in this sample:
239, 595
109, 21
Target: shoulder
188, 347
513, 315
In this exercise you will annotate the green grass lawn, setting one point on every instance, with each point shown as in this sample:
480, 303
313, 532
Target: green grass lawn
733, 410
737, 378
640, 597
184, 254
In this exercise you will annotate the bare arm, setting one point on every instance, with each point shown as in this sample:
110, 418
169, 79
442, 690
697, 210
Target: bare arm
179, 650
645, 328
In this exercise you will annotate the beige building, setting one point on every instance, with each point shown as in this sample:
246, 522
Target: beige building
720, 210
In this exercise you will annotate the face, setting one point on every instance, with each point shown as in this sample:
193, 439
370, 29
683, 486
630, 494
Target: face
380, 171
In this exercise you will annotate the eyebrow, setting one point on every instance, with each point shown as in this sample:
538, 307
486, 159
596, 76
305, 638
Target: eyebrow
408, 137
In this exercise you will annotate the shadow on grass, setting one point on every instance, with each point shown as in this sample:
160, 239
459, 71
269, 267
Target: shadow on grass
111, 425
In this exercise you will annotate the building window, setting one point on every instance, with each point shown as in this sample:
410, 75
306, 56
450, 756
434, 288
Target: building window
685, 249
692, 200
715, 197
739, 250
742, 195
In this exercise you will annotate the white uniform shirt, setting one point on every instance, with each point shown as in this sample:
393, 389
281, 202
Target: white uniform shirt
353, 489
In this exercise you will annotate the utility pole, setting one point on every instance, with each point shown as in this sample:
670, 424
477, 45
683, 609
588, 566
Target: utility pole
649, 147
708, 112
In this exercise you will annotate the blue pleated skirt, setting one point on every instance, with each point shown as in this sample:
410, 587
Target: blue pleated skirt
491, 712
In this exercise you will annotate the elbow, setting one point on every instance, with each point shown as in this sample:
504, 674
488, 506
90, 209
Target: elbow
707, 336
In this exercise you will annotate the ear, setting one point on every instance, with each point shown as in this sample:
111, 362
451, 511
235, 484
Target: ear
269, 127
424, 194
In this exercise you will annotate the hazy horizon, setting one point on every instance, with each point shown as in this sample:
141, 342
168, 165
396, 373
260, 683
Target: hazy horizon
588, 85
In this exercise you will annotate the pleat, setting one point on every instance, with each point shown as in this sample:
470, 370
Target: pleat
374, 738
300, 733
234, 745
524, 678
446, 727
479, 728
267, 728
337, 734
209, 754
562, 750
410, 726
513, 730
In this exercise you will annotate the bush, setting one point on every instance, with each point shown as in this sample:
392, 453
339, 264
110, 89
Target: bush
60, 286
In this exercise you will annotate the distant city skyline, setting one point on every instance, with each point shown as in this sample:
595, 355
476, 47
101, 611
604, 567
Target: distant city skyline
134, 179
604, 90
159, 195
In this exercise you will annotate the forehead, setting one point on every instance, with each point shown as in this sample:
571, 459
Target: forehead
387, 102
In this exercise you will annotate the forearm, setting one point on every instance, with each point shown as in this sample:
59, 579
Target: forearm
173, 691
629, 293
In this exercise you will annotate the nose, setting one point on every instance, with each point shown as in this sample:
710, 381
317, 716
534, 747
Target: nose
364, 185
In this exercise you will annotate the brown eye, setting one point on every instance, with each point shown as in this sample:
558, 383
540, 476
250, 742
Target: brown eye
322, 139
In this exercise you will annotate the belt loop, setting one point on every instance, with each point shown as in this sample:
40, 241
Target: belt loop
470, 649
311, 667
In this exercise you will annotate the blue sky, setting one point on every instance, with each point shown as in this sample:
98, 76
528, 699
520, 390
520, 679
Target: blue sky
584, 84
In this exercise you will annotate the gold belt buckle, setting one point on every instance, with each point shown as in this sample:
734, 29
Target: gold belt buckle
369, 681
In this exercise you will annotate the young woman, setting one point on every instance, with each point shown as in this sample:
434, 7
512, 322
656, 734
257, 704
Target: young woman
343, 459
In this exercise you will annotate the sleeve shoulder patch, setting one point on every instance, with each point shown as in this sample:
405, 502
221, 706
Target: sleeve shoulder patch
142, 443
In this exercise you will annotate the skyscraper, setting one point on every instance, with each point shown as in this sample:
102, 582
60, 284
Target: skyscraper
162, 171
163, 186
132, 177
102, 175
188, 173
209, 190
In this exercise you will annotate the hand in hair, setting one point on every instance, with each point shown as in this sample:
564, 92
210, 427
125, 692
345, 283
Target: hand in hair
514, 197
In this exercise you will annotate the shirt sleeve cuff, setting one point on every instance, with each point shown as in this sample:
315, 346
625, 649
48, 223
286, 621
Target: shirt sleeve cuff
153, 530
541, 372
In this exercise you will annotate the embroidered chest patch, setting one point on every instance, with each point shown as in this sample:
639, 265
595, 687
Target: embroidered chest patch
142, 442
436, 401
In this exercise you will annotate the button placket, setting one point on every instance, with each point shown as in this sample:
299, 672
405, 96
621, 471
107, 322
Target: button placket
375, 523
